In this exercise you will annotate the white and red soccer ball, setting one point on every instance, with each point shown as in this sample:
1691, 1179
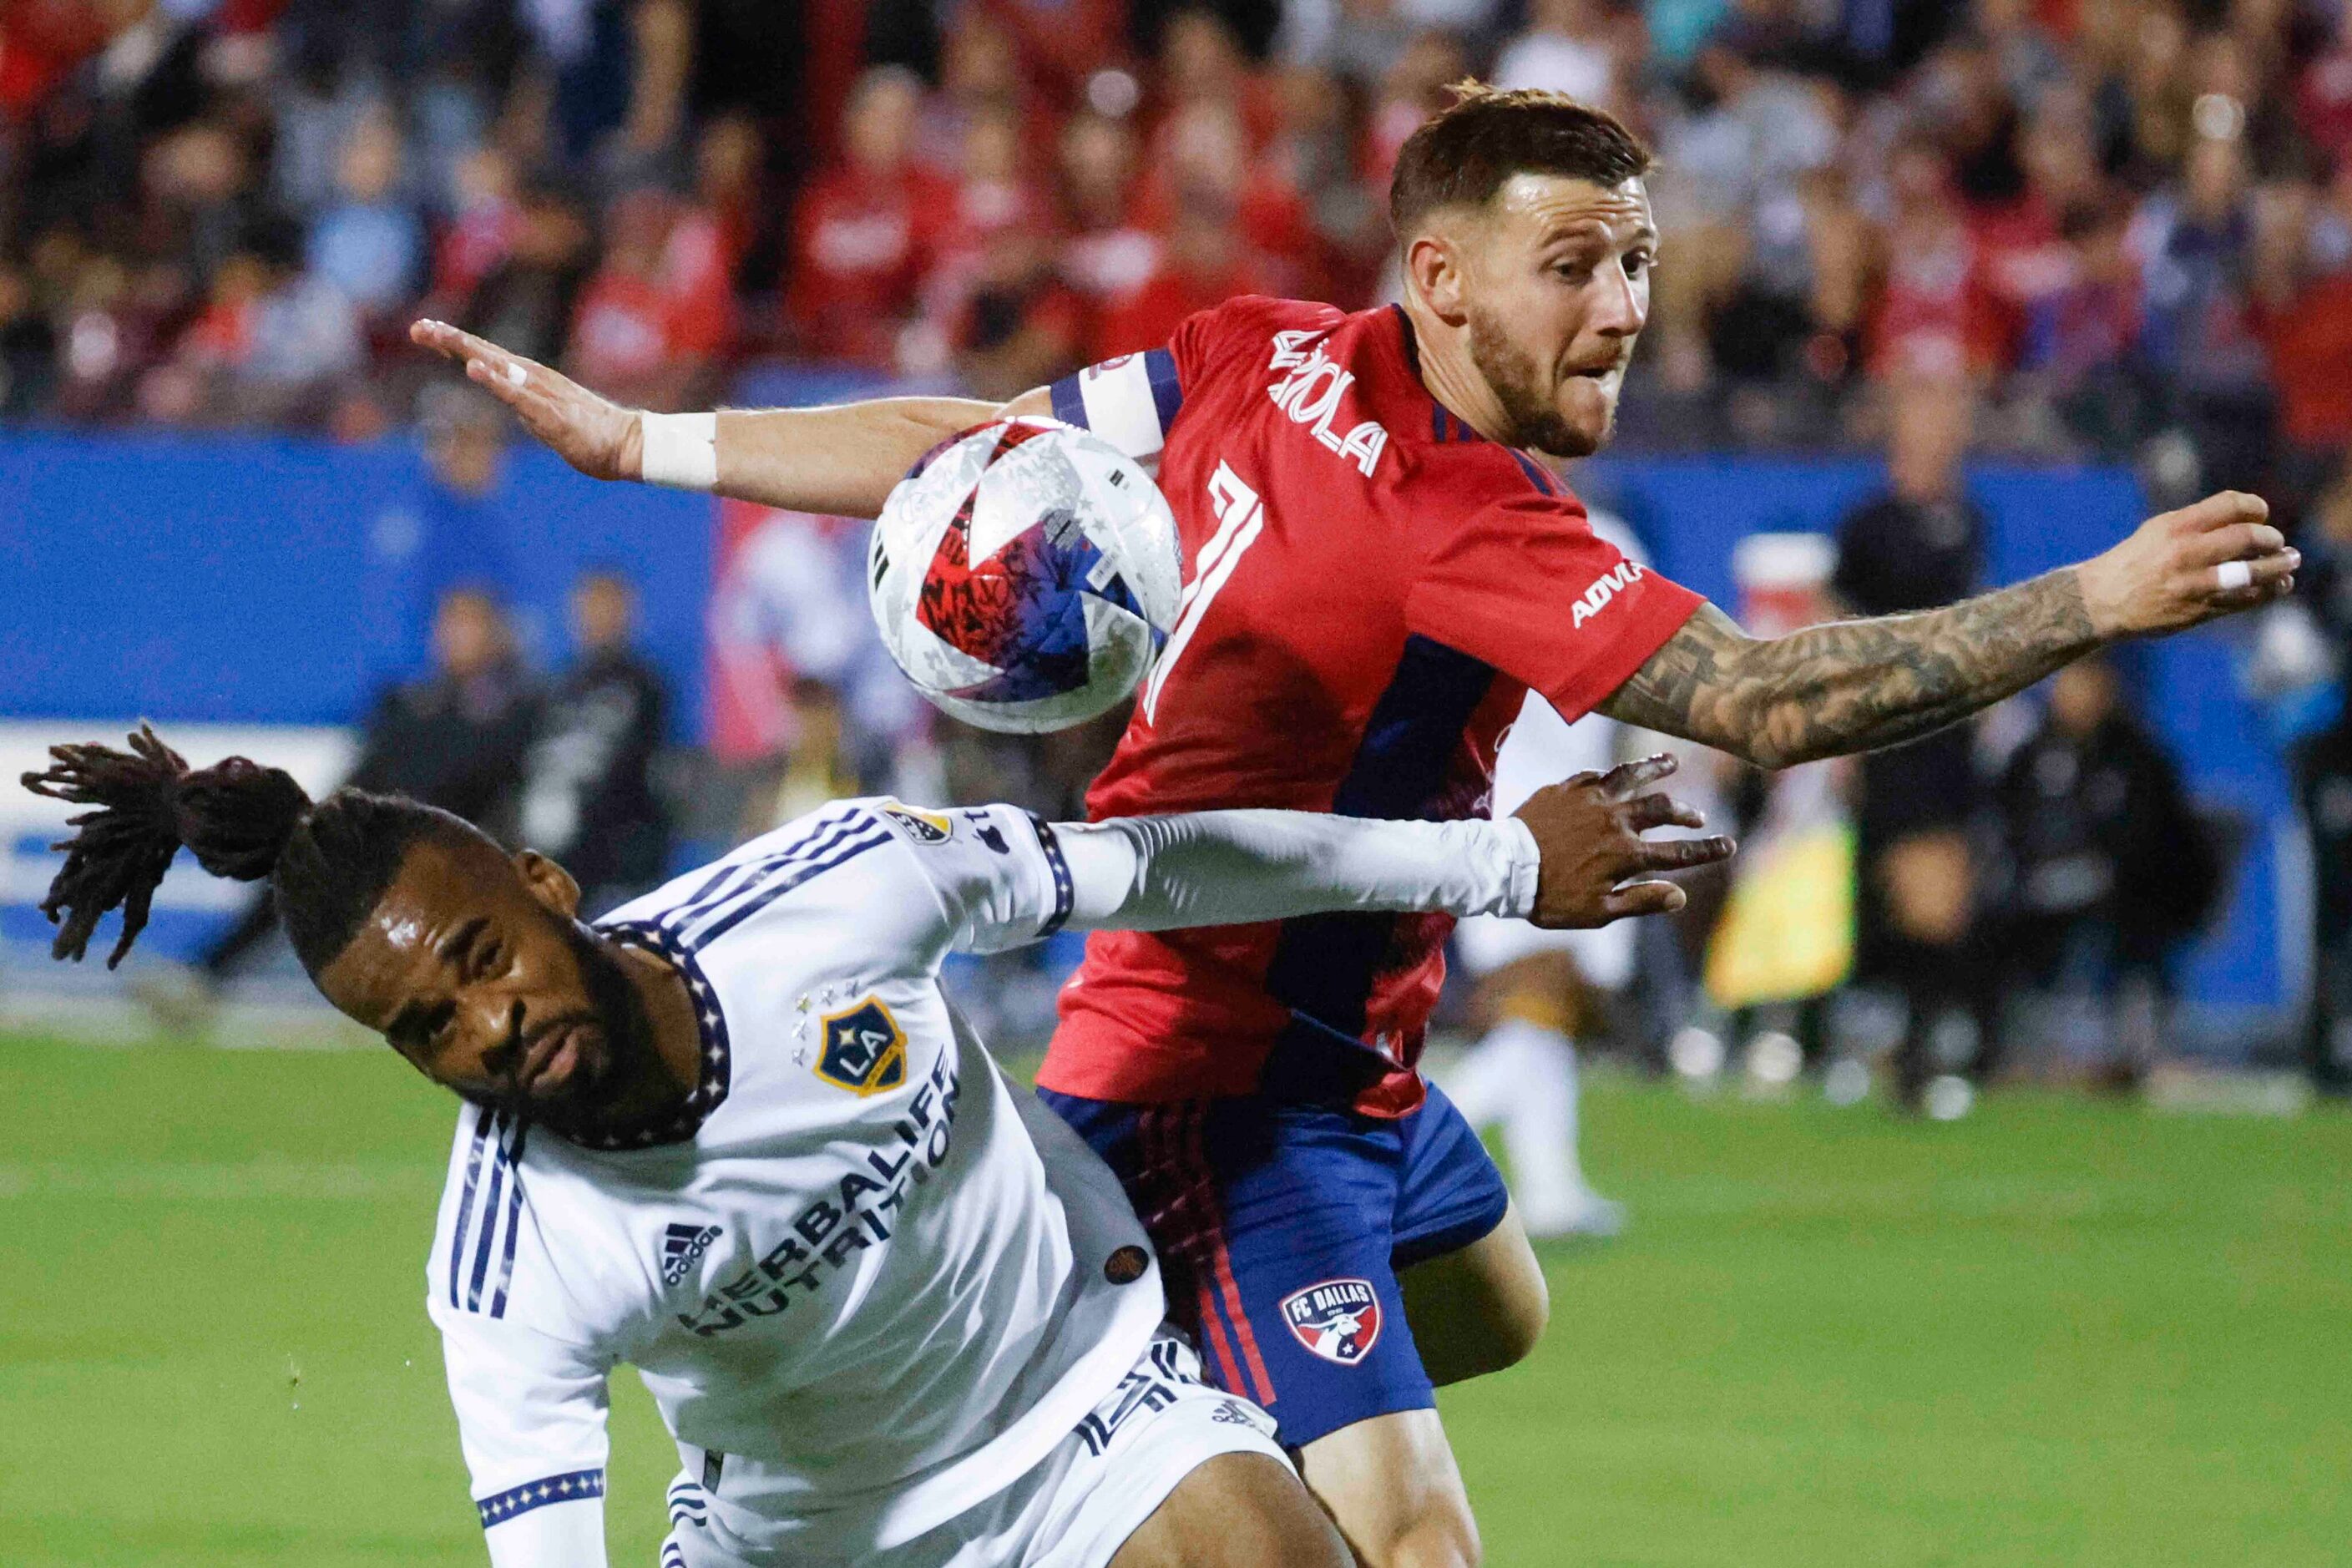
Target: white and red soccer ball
1023, 574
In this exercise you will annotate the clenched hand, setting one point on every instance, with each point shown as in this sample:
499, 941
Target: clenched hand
1590, 830
595, 435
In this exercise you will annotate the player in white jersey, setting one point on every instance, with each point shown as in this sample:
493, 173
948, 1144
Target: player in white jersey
734, 1135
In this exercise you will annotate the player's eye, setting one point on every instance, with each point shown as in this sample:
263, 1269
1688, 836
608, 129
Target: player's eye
1639, 262
488, 959
1575, 271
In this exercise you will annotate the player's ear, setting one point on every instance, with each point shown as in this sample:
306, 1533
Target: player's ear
548, 882
1433, 265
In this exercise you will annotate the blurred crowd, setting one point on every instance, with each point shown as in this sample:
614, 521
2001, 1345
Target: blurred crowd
2128, 221
2070, 228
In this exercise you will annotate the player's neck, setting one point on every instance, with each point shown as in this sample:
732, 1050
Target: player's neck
1447, 374
677, 1040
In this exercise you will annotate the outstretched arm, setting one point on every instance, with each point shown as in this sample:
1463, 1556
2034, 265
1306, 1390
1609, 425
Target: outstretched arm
1851, 686
1574, 855
840, 460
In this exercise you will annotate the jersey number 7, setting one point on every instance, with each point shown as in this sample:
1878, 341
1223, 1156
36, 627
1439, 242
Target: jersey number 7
1240, 520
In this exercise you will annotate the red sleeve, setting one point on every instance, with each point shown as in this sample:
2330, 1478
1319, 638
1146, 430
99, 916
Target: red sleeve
1524, 585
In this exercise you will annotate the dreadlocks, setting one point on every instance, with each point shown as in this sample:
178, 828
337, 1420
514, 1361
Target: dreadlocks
328, 861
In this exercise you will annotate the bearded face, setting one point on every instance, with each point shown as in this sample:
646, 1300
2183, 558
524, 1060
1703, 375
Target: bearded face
1544, 416
1552, 280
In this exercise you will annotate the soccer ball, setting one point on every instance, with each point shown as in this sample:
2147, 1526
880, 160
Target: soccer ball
1023, 574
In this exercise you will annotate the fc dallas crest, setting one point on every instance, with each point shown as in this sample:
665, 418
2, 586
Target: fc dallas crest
1339, 1320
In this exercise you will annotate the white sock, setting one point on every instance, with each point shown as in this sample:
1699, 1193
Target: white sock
1481, 1083
1524, 1076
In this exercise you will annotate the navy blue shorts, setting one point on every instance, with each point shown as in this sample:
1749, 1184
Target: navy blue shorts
1282, 1229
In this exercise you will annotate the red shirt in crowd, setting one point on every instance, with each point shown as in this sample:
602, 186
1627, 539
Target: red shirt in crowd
1372, 589
2310, 345
862, 244
633, 322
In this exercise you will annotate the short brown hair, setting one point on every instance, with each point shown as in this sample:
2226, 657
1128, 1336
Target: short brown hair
1462, 155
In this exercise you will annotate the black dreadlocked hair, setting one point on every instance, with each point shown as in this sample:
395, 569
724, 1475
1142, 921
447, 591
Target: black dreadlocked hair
328, 861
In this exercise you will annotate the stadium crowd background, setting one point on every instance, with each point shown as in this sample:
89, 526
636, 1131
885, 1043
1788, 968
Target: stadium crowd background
2073, 230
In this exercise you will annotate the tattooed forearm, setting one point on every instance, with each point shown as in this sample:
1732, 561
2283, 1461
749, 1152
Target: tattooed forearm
1851, 686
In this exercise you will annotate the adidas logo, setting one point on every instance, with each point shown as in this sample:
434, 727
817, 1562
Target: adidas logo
681, 1244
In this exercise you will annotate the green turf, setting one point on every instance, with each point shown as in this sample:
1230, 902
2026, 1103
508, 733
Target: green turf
2054, 1333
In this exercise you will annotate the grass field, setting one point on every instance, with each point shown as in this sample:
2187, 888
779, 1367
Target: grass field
2054, 1333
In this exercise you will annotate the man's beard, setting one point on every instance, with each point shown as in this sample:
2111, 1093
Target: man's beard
618, 1085
1510, 373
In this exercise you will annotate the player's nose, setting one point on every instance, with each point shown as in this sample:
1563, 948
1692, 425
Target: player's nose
1622, 309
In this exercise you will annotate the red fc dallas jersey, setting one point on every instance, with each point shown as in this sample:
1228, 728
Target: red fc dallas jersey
1370, 590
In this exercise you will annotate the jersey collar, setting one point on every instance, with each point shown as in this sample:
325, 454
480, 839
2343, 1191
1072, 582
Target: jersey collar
710, 1023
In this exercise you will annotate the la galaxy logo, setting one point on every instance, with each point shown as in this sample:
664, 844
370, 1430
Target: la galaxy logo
1339, 1320
865, 1050
927, 827
681, 1244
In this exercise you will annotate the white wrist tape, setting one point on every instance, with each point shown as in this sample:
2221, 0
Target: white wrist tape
2234, 575
680, 450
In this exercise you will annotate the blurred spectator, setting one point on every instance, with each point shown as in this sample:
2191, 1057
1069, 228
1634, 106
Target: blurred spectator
2079, 340
1734, 170
817, 765
2322, 94
1873, 184
279, 337
1409, 91
1932, 321
1570, 45
1920, 545
479, 234
2302, 312
466, 436
655, 318
727, 178
1206, 166
27, 346
526, 301
1205, 262
368, 244
1019, 325
1105, 253
2199, 334
2109, 868
980, 74
866, 230
1058, 42
1362, 41
588, 794
454, 738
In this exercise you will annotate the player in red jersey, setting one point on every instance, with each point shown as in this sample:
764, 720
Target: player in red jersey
1376, 569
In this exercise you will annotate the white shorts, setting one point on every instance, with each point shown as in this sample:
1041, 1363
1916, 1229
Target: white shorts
1073, 1511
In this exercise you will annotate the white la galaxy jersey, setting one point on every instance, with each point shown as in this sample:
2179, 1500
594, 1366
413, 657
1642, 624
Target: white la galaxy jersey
863, 1276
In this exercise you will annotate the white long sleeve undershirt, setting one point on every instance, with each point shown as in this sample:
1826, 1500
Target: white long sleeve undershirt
1229, 867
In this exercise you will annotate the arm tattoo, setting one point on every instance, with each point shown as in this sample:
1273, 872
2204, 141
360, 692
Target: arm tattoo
1851, 686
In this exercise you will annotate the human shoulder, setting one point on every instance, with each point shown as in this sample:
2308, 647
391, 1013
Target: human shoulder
1446, 477
699, 908
1243, 330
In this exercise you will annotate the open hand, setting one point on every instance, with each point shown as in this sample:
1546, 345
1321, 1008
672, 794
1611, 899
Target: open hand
1590, 830
595, 435
2212, 558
